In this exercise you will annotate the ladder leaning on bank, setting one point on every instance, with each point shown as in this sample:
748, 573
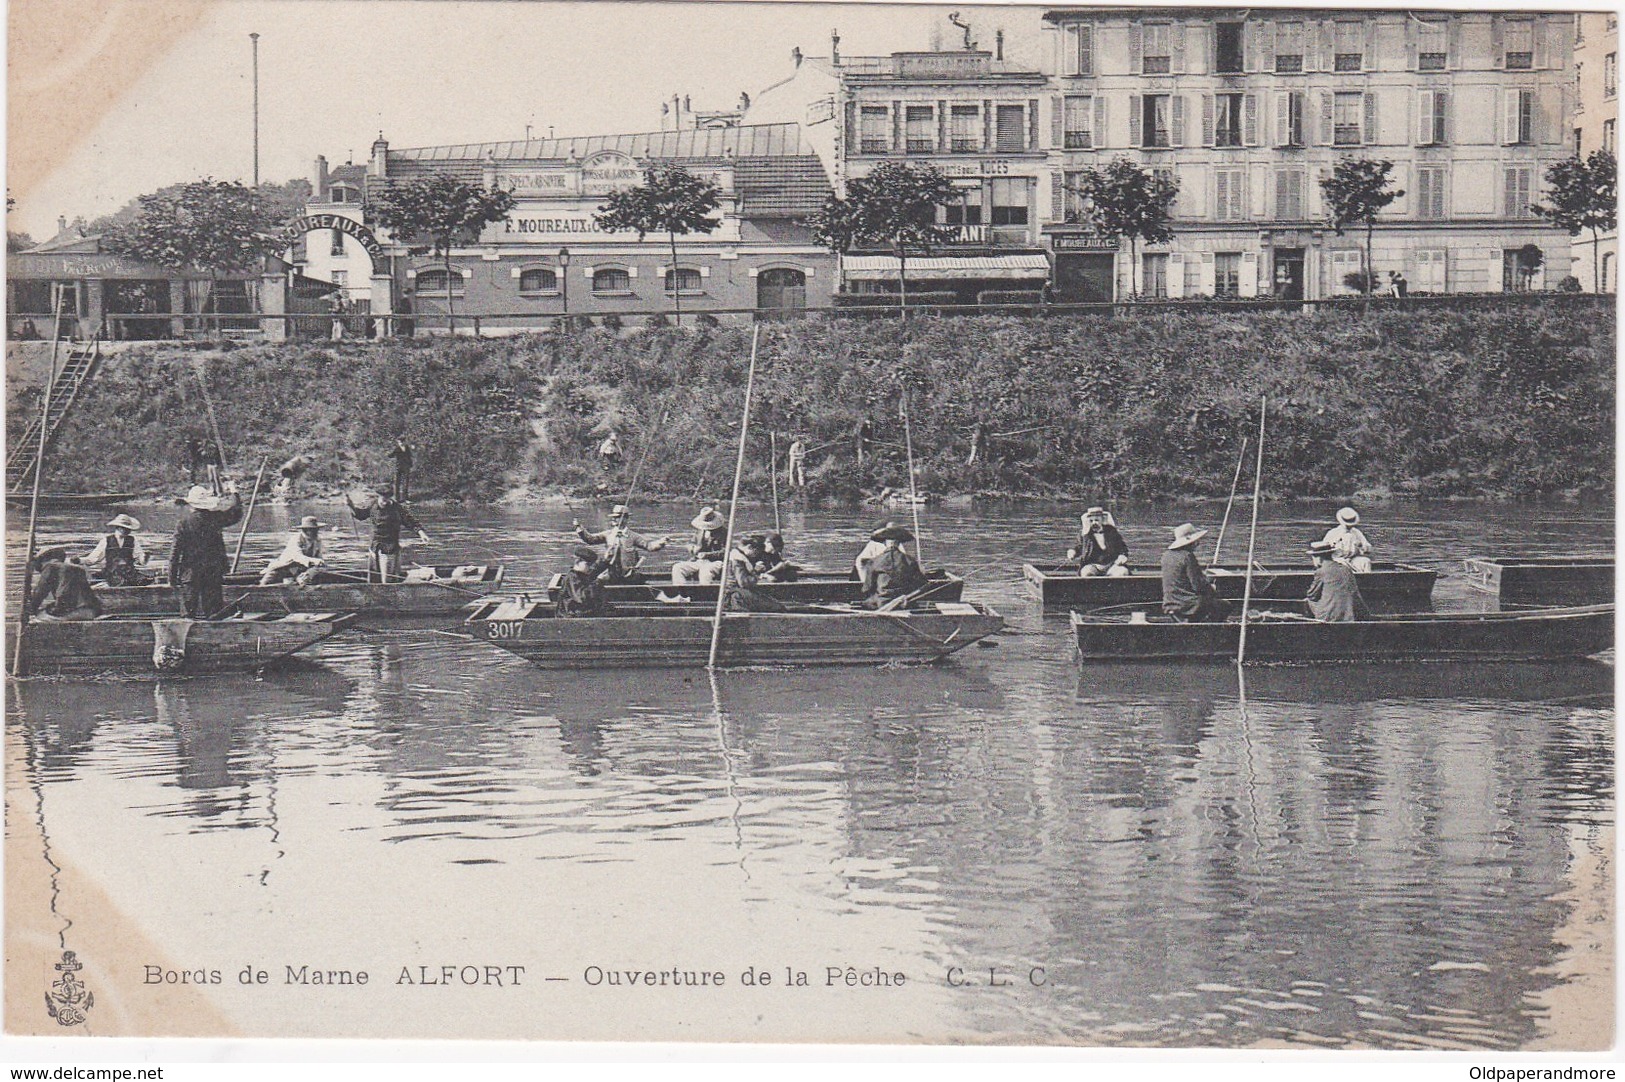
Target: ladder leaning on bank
64, 391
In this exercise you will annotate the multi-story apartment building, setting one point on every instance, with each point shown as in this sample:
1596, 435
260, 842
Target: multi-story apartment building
1248, 109
1596, 124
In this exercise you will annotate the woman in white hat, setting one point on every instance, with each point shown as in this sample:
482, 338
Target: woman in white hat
119, 553
1186, 592
1349, 545
710, 540
301, 555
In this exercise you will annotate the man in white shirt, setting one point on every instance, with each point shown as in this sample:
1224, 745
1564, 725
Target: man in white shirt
299, 557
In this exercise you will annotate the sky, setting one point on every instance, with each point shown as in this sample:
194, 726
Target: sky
333, 73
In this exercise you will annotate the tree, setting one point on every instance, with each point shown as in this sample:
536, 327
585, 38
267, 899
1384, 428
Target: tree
1580, 194
435, 214
18, 242
214, 226
1125, 200
894, 206
671, 200
1356, 192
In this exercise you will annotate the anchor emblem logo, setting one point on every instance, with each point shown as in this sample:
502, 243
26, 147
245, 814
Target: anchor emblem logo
68, 999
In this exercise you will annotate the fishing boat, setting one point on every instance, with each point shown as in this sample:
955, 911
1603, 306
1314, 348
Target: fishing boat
67, 501
1490, 636
653, 636
1543, 580
426, 593
811, 587
132, 644
1387, 587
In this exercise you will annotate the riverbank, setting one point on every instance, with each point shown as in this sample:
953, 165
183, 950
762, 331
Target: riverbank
1513, 404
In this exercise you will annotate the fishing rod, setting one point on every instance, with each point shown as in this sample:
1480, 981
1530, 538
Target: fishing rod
242, 535
647, 444
733, 504
773, 473
913, 495
1252, 539
1241, 458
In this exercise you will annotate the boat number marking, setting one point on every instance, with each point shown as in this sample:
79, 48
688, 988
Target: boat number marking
507, 629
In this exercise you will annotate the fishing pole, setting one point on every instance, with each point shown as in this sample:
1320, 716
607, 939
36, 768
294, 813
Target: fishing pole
647, 444
1240, 459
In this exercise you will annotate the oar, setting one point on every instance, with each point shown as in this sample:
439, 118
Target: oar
242, 535
39, 471
733, 504
907, 600
1252, 538
1226, 521
773, 472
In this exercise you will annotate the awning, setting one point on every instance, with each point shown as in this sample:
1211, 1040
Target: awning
883, 268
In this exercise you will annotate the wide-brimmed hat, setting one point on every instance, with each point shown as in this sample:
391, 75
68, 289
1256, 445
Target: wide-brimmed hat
1093, 511
1186, 534
583, 552
126, 522
311, 522
708, 519
45, 556
618, 511
204, 500
892, 532
1321, 548
1348, 516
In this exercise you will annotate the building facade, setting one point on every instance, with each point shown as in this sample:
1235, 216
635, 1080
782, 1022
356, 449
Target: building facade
1596, 123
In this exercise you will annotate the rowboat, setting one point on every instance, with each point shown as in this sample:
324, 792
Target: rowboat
1488, 636
812, 587
1543, 580
142, 645
1387, 587
429, 592
680, 635
70, 500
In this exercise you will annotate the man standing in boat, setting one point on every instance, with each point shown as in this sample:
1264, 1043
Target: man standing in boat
119, 553
1101, 549
894, 573
1186, 592
622, 545
388, 516
1348, 543
1334, 595
197, 556
710, 541
580, 592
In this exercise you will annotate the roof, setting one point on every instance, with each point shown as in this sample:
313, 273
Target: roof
1057, 15
70, 241
748, 141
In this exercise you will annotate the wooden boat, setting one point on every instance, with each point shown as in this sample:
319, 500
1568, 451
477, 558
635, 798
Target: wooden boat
133, 644
1387, 587
642, 636
813, 587
1544, 580
61, 501
445, 591
1489, 636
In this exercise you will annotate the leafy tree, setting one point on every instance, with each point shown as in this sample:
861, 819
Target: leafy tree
895, 207
671, 200
18, 242
435, 214
1580, 194
1356, 192
214, 226
1126, 200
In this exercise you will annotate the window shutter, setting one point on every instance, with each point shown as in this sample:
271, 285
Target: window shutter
1176, 275
1249, 274
1545, 119
987, 125
1370, 117
1206, 274
1539, 33
1057, 198
1326, 117
1368, 59
1266, 47
1097, 138
897, 132
1136, 112
1413, 34
1441, 108
1453, 43
1057, 132
1136, 50
942, 127
1176, 125
1032, 124
1207, 120
1324, 60
851, 127
1070, 53
1283, 118
1282, 195
1509, 116
1249, 129
1497, 55
1177, 34
1496, 271
1085, 57
1244, 194
1424, 192
1221, 194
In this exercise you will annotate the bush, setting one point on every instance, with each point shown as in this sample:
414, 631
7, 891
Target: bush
1570, 284
656, 321
611, 321
706, 319
1357, 281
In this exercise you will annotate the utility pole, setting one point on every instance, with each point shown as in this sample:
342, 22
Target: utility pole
255, 38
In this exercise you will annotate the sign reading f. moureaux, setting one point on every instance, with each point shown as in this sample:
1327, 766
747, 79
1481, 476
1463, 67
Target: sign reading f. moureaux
349, 226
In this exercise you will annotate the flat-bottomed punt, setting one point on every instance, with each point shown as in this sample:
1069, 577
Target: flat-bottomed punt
128, 644
445, 593
1385, 588
812, 587
1543, 580
1490, 636
649, 636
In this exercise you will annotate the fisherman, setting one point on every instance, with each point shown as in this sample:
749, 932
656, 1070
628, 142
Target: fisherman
774, 567
1186, 592
797, 471
288, 473
1334, 595
194, 457
401, 454
709, 544
61, 588
197, 556
621, 546
1348, 542
119, 553
388, 516
299, 557
609, 454
742, 594
1101, 549
581, 592
874, 548
893, 573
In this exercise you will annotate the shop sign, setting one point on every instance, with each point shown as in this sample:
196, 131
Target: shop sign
348, 226
609, 171
541, 223
1084, 242
533, 183
959, 167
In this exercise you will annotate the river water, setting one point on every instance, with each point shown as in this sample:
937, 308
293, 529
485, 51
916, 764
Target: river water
1003, 848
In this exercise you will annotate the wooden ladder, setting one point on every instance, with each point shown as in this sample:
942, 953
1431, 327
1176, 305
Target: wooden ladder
83, 358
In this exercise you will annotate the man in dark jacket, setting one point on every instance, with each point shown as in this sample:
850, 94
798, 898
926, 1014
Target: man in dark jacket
581, 593
742, 578
197, 556
1186, 592
61, 589
401, 453
1334, 594
892, 574
388, 516
1101, 549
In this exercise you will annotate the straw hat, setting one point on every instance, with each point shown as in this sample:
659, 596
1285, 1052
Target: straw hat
204, 500
1186, 534
1093, 511
310, 522
618, 511
125, 521
892, 532
1348, 516
708, 519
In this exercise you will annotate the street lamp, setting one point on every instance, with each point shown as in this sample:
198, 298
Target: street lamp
564, 272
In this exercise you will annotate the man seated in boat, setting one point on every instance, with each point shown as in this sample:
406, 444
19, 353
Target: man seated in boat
621, 545
871, 550
1334, 595
710, 540
1101, 549
1186, 592
388, 516
1348, 543
742, 594
300, 557
61, 588
774, 566
894, 573
119, 553
581, 592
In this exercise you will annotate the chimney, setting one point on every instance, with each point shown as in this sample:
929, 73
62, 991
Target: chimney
998, 45
318, 175
61, 224
379, 166
835, 47
795, 56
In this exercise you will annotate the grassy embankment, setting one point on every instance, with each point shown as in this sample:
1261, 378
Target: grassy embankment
1495, 404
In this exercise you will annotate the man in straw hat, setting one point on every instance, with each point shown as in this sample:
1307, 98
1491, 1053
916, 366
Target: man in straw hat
1348, 543
1186, 592
893, 573
299, 557
710, 539
119, 553
622, 544
1334, 595
580, 591
1101, 549
874, 547
197, 556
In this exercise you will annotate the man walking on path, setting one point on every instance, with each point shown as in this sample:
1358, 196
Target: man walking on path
402, 456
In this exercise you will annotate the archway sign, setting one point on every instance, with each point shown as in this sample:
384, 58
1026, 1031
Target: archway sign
348, 226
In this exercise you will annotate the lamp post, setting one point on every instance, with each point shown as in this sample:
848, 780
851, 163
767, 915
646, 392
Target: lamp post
564, 280
255, 38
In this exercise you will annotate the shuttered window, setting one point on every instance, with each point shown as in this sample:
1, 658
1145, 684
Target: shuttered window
1432, 184
1289, 185
1230, 195
1080, 115
1157, 58
1432, 45
1348, 118
1518, 44
1519, 121
1519, 191
1227, 274
538, 280
1350, 46
1080, 50
1010, 200
876, 137
965, 137
1288, 48
1010, 132
1432, 107
920, 129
